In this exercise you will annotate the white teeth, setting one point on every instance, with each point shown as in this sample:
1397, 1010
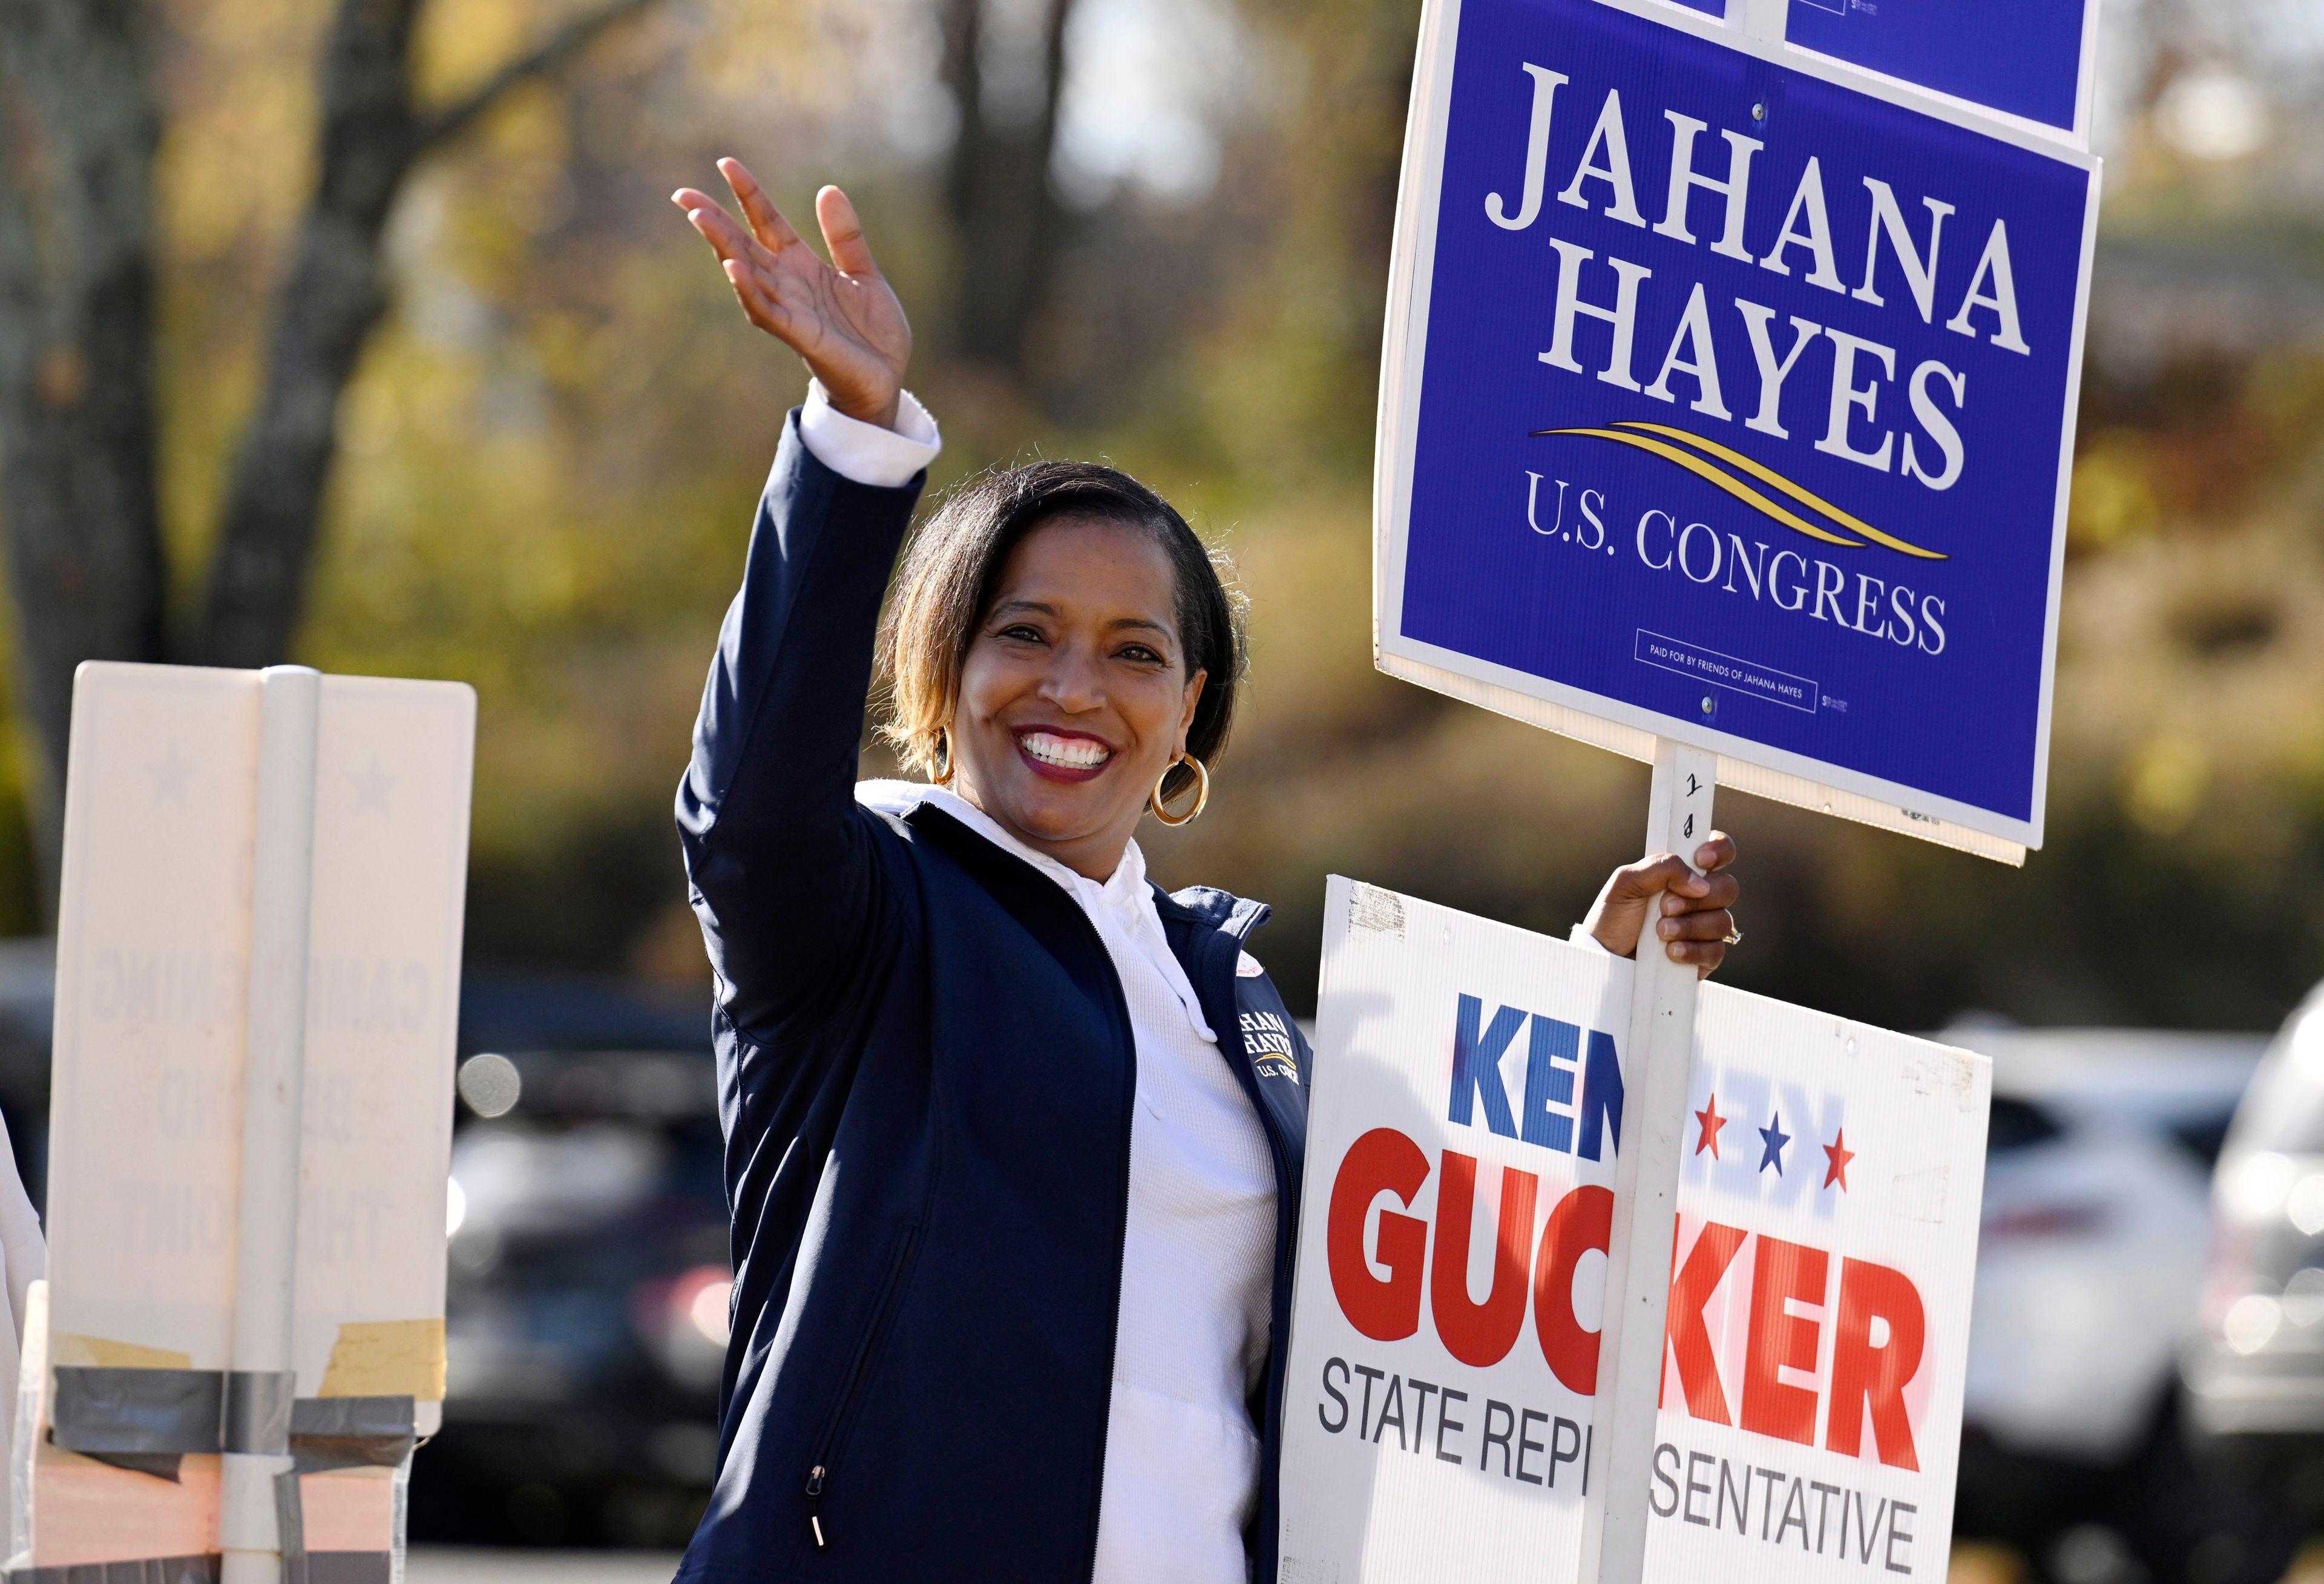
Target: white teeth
1071, 753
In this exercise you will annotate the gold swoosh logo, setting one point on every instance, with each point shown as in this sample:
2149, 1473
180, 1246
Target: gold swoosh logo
1626, 434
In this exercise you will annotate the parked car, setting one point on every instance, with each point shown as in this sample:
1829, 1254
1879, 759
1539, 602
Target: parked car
2254, 1379
2090, 1260
586, 1309
28, 980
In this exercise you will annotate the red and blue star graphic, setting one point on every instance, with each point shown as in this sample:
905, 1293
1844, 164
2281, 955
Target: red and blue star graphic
1772, 1141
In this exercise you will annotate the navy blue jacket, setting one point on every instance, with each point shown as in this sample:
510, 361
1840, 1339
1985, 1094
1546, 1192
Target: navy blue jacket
925, 1074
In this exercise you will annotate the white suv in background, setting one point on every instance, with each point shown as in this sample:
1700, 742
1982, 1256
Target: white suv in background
2091, 1260
2255, 1380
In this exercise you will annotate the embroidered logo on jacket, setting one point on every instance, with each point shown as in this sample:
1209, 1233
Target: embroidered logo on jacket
1267, 1036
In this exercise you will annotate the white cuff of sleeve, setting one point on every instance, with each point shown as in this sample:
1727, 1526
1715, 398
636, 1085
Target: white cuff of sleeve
864, 453
1580, 935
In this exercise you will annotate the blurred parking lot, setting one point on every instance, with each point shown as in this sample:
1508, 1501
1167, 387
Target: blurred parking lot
589, 1300
2146, 1396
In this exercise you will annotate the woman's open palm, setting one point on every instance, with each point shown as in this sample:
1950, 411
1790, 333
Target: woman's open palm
841, 318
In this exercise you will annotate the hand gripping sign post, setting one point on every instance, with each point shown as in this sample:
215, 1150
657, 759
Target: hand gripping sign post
1445, 1404
1727, 404
241, 1336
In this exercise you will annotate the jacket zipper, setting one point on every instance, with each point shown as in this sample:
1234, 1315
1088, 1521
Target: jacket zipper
818, 1475
1120, 1238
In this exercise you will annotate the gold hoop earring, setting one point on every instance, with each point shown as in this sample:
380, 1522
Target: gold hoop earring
944, 776
1202, 792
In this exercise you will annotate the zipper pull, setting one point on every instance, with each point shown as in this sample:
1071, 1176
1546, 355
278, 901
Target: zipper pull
814, 1504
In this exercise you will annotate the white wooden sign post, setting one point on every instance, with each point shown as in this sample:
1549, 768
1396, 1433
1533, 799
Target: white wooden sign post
241, 1337
1663, 995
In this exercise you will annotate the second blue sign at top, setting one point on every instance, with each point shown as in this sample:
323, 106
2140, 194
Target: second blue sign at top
2027, 57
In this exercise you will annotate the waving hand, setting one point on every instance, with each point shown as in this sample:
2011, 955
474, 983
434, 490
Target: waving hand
840, 318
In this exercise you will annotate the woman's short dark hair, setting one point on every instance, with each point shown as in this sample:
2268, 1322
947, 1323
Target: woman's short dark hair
949, 574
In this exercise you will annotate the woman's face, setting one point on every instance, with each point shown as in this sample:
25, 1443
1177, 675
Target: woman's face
1075, 696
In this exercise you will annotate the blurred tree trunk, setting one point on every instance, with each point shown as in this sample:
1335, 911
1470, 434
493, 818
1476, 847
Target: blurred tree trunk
77, 422
324, 311
328, 307
79, 124
1007, 225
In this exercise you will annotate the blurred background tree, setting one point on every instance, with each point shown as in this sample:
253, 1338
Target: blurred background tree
77, 419
1157, 233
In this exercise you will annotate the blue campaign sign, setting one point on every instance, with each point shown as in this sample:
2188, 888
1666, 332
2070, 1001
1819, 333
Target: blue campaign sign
2030, 58
1728, 400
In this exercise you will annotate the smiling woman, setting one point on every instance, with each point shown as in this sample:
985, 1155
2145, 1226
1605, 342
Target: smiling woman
1013, 1137
1054, 626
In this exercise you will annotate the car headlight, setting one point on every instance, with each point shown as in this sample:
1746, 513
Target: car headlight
2258, 1186
700, 1298
2251, 1322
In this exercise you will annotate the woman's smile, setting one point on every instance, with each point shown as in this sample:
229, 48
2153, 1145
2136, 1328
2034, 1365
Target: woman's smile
1063, 756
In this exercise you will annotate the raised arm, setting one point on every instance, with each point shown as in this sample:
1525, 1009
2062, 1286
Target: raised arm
778, 855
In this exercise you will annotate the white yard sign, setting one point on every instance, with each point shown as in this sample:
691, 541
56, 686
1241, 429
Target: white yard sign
1461, 1147
162, 993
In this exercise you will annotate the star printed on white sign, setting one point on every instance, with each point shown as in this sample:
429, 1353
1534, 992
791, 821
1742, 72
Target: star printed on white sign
1775, 1138
372, 786
170, 776
1837, 1153
1712, 1123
